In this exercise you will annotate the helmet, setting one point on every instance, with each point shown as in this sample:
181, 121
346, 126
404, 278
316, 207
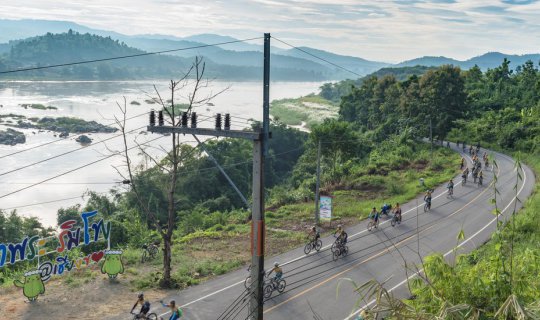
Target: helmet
141, 295
172, 302
339, 226
313, 228
276, 264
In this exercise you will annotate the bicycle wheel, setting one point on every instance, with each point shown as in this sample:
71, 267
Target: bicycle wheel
426, 207
268, 290
318, 245
335, 255
247, 282
334, 246
143, 256
307, 248
370, 225
151, 316
345, 251
393, 221
281, 286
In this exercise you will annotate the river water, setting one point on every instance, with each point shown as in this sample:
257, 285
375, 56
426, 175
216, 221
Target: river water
98, 101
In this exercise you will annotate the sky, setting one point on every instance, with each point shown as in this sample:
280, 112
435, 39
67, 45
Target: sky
386, 30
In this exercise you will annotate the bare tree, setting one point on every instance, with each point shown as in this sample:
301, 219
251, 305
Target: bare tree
192, 82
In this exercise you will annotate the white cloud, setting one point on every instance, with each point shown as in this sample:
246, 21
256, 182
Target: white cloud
378, 30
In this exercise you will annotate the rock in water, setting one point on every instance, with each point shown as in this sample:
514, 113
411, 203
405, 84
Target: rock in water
82, 139
12, 137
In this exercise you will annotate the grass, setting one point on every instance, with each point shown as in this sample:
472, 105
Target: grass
310, 110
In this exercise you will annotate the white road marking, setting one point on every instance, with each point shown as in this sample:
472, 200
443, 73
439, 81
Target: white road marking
350, 317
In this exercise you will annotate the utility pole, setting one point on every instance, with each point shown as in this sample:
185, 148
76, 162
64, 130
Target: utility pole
317, 186
260, 151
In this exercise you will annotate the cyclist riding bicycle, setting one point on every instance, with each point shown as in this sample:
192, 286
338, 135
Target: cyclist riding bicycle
145, 306
341, 235
277, 270
462, 163
427, 198
313, 234
480, 177
176, 313
450, 186
374, 215
385, 209
397, 212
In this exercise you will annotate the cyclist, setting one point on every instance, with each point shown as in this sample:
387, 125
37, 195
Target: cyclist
462, 163
341, 234
480, 178
385, 209
277, 270
427, 198
475, 174
470, 150
176, 313
397, 212
450, 187
313, 234
374, 215
145, 306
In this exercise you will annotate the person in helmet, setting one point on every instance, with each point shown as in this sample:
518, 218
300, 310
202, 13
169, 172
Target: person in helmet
313, 234
340, 234
176, 313
145, 306
277, 270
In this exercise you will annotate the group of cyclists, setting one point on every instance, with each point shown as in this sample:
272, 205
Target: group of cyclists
176, 312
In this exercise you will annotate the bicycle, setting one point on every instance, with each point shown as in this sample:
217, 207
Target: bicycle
149, 252
463, 180
450, 193
372, 224
313, 244
271, 285
342, 250
149, 316
395, 220
336, 243
247, 282
480, 181
427, 206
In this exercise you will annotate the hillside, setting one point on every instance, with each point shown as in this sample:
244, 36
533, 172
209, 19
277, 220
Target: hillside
486, 61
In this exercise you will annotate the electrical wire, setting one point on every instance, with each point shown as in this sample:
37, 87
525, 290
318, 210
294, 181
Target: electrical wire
61, 139
70, 171
127, 56
317, 57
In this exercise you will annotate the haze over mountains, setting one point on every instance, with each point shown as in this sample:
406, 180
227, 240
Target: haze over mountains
238, 61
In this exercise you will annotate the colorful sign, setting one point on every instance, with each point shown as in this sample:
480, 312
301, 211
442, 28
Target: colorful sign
70, 236
325, 207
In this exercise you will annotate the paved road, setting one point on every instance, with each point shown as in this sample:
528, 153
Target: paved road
312, 280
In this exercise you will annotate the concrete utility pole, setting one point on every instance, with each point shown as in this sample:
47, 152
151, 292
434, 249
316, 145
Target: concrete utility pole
260, 147
317, 186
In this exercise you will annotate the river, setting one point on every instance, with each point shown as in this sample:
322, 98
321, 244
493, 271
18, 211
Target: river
97, 100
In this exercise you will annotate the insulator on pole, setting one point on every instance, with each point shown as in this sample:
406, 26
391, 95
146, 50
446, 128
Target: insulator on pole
227, 125
194, 119
152, 118
184, 120
160, 118
218, 121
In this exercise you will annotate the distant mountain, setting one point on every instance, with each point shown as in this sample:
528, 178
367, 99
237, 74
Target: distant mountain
358, 65
486, 61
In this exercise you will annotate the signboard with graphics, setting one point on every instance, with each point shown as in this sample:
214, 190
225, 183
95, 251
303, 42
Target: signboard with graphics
51, 253
325, 207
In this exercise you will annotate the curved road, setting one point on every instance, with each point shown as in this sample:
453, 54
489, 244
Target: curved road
312, 280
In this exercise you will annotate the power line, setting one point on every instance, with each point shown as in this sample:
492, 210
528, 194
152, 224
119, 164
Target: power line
65, 153
317, 57
127, 56
70, 171
61, 139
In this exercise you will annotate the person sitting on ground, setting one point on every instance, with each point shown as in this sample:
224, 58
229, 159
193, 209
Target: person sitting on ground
176, 313
313, 234
145, 306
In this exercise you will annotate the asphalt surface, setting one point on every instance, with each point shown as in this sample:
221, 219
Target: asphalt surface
312, 280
